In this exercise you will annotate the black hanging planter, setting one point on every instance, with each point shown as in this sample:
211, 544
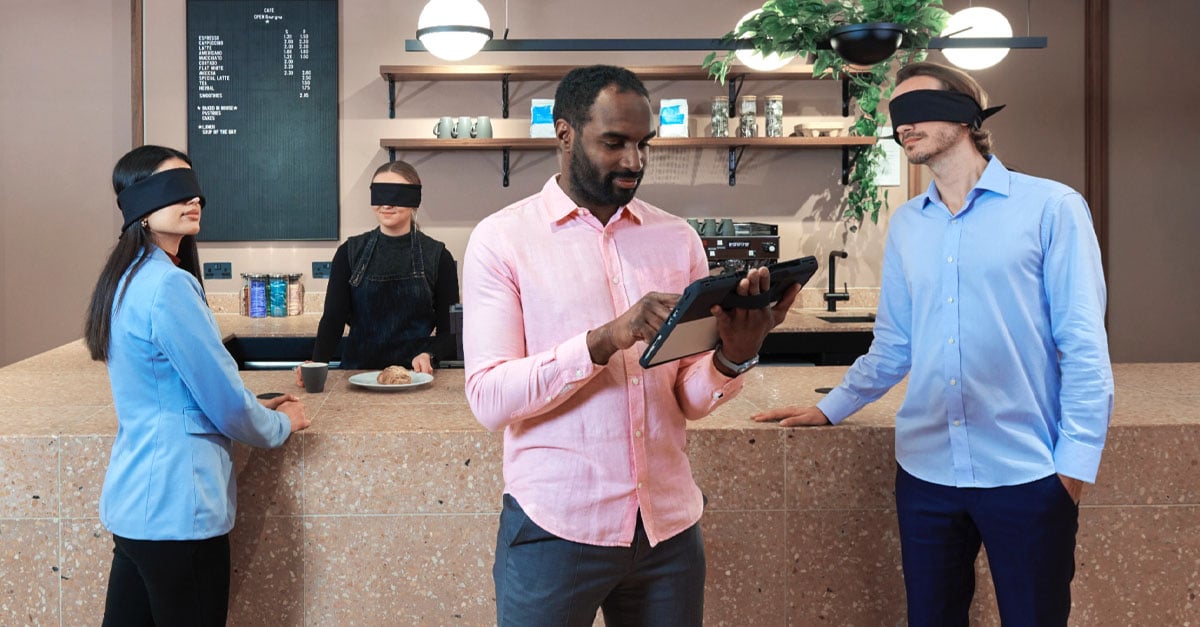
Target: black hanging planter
866, 44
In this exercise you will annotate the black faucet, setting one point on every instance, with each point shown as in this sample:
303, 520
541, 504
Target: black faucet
833, 296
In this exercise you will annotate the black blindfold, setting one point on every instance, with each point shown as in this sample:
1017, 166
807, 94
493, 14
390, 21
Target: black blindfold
156, 191
937, 105
395, 195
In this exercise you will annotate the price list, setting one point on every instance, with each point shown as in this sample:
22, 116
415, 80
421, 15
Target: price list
262, 117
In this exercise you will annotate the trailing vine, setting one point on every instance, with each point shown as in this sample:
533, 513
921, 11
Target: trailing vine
801, 28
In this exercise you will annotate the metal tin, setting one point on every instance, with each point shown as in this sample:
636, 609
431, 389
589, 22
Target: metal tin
277, 296
244, 296
295, 295
258, 295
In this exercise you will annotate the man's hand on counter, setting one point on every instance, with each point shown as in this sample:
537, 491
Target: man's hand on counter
793, 416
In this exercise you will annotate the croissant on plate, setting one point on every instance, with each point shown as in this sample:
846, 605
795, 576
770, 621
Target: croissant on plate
394, 375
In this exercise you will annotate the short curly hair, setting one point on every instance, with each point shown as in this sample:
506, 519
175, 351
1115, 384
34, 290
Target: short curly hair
578, 90
954, 80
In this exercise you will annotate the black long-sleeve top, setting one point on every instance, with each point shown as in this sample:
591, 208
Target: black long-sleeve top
392, 256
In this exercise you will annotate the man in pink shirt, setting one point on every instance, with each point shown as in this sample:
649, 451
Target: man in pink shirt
562, 290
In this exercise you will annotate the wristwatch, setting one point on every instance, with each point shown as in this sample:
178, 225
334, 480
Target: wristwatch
736, 368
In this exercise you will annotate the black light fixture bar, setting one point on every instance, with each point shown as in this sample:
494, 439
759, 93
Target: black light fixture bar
939, 43
594, 45
641, 45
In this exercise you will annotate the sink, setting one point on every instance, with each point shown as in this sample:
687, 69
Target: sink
848, 319
271, 353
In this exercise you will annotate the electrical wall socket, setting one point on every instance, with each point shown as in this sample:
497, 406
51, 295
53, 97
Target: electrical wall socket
218, 270
321, 269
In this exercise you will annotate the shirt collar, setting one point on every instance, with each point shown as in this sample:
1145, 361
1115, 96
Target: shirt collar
560, 207
995, 178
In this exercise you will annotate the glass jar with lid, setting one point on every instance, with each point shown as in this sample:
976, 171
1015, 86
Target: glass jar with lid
774, 116
720, 116
747, 116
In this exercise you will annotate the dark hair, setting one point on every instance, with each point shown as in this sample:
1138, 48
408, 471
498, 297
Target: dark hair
403, 168
136, 165
954, 80
577, 91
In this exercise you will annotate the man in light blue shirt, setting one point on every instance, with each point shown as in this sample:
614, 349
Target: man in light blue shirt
992, 303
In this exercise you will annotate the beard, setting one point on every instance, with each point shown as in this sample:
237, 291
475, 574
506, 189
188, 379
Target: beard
943, 138
597, 187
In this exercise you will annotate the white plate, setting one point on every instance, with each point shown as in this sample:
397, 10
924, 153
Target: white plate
370, 380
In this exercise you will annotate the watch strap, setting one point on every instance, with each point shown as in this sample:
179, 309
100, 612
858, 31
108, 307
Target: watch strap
736, 368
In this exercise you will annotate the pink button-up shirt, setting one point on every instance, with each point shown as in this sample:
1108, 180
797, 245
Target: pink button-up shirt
585, 446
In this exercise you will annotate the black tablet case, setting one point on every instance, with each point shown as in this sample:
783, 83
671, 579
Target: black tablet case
690, 328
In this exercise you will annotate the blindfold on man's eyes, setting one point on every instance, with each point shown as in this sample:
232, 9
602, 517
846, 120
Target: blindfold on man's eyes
937, 105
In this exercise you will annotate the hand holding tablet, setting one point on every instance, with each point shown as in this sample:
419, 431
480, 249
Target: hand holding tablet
691, 328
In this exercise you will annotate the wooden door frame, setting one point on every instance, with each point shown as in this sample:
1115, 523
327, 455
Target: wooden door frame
137, 89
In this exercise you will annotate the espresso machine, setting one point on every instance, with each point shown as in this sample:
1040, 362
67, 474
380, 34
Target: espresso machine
735, 246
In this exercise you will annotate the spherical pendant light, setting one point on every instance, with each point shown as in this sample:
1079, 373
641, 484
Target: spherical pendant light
453, 29
976, 22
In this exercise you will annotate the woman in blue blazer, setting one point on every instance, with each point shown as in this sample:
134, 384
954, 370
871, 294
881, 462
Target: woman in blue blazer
169, 497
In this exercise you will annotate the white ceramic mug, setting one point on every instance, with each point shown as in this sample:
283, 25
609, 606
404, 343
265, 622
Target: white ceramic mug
482, 128
462, 130
444, 129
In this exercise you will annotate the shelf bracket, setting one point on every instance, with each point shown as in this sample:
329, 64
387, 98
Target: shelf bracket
504, 167
845, 165
391, 99
391, 154
735, 88
504, 99
735, 155
845, 95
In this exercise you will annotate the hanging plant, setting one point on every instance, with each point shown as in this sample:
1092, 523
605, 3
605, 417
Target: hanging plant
802, 28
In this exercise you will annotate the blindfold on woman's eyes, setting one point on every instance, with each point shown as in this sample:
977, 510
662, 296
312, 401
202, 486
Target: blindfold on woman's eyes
395, 195
161, 189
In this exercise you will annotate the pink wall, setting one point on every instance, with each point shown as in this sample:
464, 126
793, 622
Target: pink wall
64, 120
1153, 266
69, 121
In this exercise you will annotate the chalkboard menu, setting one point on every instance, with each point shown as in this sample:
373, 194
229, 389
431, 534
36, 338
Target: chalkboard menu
263, 117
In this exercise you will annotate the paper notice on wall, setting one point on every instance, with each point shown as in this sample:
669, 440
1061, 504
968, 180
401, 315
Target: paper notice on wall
889, 168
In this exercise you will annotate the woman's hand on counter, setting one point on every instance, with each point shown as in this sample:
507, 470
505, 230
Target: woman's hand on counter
423, 363
291, 407
300, 379
793, 416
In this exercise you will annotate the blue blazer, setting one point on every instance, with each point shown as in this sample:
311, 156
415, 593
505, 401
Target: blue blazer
180, 403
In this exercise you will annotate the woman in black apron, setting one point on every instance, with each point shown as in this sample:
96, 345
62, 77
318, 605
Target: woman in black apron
393, 285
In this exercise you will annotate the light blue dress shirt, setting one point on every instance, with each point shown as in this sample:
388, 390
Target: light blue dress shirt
996, 314
179, 401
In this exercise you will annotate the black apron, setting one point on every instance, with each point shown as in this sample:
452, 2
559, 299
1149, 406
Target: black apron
391, 316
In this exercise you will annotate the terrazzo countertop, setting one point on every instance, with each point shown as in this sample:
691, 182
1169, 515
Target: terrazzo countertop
62, 391
384, 511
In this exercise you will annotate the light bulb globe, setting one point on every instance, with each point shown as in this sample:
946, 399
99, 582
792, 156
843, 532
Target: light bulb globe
976, 22
453, 29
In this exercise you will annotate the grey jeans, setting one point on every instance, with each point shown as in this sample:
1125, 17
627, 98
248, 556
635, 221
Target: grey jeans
542, 579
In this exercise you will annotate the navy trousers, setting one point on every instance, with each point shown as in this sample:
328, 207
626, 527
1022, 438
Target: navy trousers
1028, 531
542, 579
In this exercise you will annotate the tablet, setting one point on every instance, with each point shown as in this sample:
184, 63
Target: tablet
690, 328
